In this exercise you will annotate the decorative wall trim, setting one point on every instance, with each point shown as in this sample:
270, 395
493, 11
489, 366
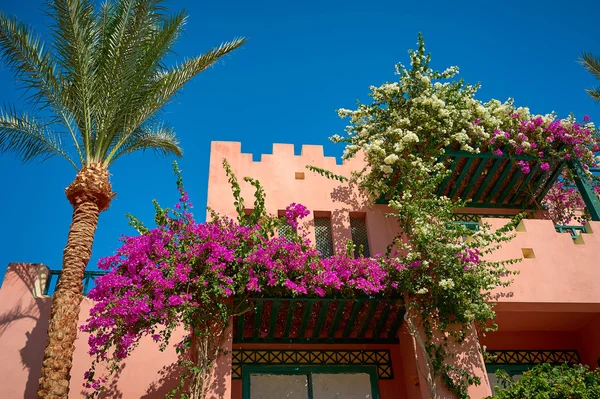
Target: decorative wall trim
379, 358
516, 357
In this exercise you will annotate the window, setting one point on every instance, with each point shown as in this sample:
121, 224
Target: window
323, 236
309, 382
358, 227
515, 371
285, 230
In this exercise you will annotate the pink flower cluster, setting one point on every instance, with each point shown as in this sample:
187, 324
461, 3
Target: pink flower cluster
184, 267
469, 257
564, 203
544, 139
539, 138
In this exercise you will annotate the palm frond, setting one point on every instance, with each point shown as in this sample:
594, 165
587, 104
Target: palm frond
591, 64
28, 138
166, 85
594, 92
104, 78
24, 53
75, 31
35, 69
159, 138
136, 72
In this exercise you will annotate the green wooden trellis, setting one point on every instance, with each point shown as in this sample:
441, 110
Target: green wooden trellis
319, 320
488, 180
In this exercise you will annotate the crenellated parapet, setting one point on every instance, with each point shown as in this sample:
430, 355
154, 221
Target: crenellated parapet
282, 173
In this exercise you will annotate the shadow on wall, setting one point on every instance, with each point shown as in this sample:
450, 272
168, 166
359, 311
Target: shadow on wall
169, 379
467, 356
36, 312
351, 199
112, 392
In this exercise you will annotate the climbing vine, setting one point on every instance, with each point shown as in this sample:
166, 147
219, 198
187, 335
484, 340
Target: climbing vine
404, 134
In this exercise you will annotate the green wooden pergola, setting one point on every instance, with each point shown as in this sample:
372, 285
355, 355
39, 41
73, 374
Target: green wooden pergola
488, 180
319, 320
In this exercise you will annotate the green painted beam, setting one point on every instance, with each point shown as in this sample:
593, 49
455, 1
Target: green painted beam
385, 314
488, 178
257, 317
584, 185
321, 319
487, 205
511, 185
537, 185
240, 326
553, 177
310, 392
490, 155
336, 319
524, 184
311, 340
531, 194
274, 314
86, 284
367, 322
306, 317
476, 174
507, 168
461, 176
353, 315
444, 183
396, 324
289, 318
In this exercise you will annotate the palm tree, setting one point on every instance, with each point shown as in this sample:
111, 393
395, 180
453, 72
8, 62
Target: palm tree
96, 91
592, 65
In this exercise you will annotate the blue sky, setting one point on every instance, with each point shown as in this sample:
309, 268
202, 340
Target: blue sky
304, 59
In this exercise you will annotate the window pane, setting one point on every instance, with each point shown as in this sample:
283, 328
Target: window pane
323, 236
358, 227
493, 381
285, 230
276, 386
346, 386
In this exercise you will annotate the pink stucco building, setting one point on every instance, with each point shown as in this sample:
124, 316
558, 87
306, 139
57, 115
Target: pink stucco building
321, 348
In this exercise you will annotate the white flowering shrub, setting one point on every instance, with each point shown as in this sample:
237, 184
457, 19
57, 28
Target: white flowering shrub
443, 275
405, 131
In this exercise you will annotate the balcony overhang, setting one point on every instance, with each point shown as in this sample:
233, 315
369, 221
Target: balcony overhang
488, 180
319, 320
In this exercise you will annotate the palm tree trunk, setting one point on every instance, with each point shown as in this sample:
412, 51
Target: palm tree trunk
90, 194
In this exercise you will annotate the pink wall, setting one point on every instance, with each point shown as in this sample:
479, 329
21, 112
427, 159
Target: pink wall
277, 173
148, 373
553, 304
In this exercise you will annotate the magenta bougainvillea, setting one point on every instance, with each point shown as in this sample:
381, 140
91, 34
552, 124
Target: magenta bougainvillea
182, 271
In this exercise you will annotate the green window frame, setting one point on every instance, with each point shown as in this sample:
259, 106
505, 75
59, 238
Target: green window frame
308, 371
511, 369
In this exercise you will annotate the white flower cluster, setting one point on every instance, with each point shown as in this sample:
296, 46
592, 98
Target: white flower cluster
446, 283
